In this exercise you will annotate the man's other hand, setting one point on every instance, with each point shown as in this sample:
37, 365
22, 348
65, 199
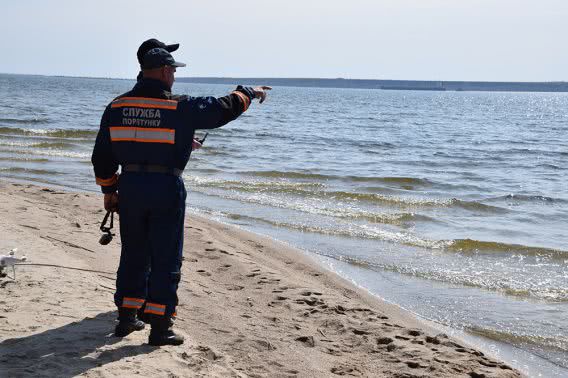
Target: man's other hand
261, 92
195, 145
111, 202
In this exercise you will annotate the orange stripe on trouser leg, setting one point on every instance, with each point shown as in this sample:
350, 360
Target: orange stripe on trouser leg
132, 303
154, 308
139, 300
127, 305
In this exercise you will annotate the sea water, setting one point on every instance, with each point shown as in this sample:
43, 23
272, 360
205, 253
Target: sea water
453, 205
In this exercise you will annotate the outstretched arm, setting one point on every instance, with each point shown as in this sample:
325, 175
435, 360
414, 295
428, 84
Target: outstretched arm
215, 112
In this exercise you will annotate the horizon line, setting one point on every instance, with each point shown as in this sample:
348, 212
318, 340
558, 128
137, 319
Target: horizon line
287, 78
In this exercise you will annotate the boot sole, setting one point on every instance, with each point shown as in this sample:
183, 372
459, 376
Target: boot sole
125, 331
162, 342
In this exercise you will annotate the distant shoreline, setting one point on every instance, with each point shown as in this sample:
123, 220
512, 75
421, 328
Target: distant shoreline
416, 85
412, 85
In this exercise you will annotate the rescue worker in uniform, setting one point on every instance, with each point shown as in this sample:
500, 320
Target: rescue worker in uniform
148, 132
144, 47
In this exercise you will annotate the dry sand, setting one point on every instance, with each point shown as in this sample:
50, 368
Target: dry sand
250, 307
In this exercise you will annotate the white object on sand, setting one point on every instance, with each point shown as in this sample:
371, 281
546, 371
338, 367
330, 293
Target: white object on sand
11, 260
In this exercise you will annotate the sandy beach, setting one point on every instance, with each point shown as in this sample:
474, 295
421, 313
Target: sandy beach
249, 307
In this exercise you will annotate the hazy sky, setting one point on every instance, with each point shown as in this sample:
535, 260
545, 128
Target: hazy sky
508, 40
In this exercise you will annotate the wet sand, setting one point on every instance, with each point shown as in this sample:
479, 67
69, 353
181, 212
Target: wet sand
249, 307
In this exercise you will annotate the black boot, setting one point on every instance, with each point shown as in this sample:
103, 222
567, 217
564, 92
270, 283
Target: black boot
127, 322
161, 332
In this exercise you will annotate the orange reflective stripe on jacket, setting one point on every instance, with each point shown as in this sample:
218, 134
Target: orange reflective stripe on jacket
244, 99
144, 102
107, 182
143, 135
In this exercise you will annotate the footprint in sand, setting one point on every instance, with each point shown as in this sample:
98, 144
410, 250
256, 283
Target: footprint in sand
235, 287
414, 332
308, 341
210, 256
312, 301
204, 273
307, 293
346, 370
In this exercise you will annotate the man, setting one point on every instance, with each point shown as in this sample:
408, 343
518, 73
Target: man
148, 131
150, 44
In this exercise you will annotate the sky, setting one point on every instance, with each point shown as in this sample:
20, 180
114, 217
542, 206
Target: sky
494, 40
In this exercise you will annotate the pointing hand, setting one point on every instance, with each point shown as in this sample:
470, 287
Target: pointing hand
261, 92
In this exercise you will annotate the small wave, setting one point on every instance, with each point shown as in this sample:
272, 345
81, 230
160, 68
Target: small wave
473, 246
205, 170
315, 190
31, 144
290, 175
48, 152
53, 145
351, 231
395, 180
55, 133
24, 159
30, 171
317, 176
255, 186
558, 344
477, 206
464, 246
394, 219
24, 121
550, 166
528, 198
398, 219
561, 342
469, 279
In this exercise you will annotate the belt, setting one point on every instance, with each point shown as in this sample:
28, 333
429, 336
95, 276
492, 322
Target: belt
151, 168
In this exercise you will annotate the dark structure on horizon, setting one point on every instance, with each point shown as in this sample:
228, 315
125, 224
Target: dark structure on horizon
390, 84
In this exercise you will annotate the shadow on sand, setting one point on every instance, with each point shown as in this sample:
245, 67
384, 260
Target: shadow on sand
66, 351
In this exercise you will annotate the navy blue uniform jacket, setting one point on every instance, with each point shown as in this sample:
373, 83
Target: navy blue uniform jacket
150, 126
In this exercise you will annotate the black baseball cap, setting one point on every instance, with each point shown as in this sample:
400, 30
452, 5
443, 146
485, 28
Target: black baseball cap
152, 44
158, 57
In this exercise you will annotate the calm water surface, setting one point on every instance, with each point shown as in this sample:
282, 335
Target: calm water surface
450, 204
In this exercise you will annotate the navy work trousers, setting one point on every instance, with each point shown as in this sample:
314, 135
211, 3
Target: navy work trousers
151, 211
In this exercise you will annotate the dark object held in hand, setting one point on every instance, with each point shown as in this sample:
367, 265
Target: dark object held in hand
107, 236
203, 139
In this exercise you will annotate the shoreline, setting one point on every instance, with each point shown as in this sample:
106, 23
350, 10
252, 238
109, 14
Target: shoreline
554, 86
250, 306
